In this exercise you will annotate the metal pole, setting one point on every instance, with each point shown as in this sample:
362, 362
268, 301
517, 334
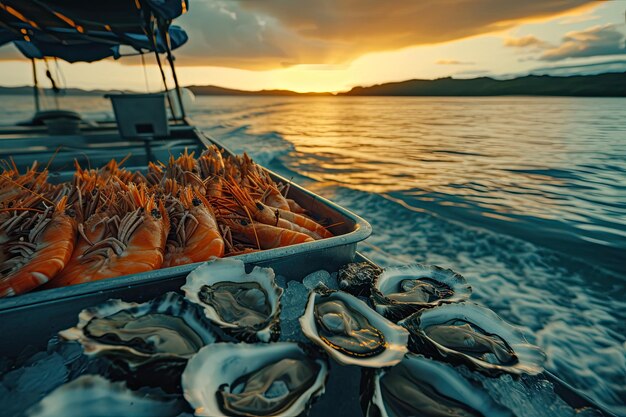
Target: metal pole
152, 37
35, 85
166, 40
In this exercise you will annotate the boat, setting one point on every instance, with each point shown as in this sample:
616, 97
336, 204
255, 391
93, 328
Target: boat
68, 30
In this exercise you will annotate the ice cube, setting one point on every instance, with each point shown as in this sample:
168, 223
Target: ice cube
316, 278
293, 303
281, 281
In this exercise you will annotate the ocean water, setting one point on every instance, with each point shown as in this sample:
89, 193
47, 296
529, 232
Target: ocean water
524, 196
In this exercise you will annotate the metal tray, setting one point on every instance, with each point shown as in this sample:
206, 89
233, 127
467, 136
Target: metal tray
32, 326
299, 259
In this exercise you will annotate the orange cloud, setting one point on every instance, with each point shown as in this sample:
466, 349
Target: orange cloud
525, 42
452, 62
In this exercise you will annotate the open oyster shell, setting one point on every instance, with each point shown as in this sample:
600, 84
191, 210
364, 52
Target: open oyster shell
466, 333
274, 379
350, 331
422, 387
246, 306
166, 327
95, 396
401, 291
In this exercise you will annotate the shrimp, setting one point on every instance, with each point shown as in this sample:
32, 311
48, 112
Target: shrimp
260, 180
128, 236
156, 173
36, 245
187, 162
264, 214
184, 170
212, 169
194, 235
294, 207
305, 222
113, 169
264, 235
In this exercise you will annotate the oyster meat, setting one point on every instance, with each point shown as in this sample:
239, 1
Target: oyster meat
95, 396
466, 333
401, 291
350, 331
276, 379
244, 305
422, 387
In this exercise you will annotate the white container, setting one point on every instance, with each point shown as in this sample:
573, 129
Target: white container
140, 115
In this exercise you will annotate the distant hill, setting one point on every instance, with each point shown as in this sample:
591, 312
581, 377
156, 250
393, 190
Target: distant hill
201, 90
601, 85
28, 90
211, 90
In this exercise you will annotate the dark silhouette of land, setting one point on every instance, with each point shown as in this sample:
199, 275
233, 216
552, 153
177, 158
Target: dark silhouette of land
600, 85
211, 90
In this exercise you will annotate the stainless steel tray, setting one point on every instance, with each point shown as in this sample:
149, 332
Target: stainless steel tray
290, 261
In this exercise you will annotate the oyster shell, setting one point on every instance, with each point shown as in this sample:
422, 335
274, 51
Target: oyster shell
357, 278
166, 327
277, 379
350, 331
466, 333
144, 340
421, 387
244, 305
95, 396
401, 291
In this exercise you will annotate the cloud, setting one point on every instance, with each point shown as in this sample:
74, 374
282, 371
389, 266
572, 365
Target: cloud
528, 41
271, 34
593, 68
594, 41
267, 34
453, 62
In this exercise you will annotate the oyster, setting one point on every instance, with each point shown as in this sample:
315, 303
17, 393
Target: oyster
275, 379
95, 396
156, 337
466, 333
244, 305
350, 331
421, 387
357, 278
401, 291
165, 328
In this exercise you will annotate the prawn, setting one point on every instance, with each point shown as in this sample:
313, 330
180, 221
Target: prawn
128, 236
36, 245
194, 235
264, 235
212, 169
263, 213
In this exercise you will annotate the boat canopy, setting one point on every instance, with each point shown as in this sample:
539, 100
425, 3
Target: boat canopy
75, 30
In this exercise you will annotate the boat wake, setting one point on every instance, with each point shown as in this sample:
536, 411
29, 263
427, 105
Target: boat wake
573, 310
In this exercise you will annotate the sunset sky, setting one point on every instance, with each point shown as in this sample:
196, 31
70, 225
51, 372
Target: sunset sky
333, 45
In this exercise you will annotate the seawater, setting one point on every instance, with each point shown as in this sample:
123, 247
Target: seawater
524, 196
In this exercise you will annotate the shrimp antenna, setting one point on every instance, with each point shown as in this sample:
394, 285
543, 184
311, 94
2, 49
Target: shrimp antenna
52, 158
126, 158
27, 189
